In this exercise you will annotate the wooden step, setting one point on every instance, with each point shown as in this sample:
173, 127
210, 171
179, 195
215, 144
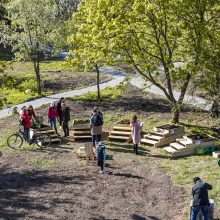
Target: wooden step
122, 128
82, 137
120, 133
118, 137
177, 146
156, 133
153, 137
47, 131
148, 141
184, 141
81, 132
170, 150
81, 127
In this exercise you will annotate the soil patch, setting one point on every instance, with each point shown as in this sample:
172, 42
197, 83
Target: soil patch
128, 190
71, 83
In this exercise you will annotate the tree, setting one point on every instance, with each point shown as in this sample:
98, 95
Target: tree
150, 36
87, 52
32, 29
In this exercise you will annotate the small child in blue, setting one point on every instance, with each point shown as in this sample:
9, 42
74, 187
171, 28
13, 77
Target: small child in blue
101, 155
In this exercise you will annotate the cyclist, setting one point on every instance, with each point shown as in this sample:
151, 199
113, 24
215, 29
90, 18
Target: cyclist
25, 122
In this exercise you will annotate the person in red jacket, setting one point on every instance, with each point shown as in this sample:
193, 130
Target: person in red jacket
31, 112
52, 116
25, 122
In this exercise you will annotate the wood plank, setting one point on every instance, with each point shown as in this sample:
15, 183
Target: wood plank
120, 133
170, 150
81, 132
153, 137
147, 141
82, 137
118, 137
177, 146
122, 128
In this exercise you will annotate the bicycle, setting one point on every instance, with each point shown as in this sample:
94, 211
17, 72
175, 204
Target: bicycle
16, 140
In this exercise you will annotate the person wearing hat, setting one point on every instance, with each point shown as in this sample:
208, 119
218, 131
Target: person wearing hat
52, 116
101, 156
200, 198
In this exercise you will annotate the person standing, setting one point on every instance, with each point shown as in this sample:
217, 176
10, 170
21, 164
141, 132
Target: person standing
101, 154
65, 119
96, 122
31, 112
25, 122
52, 116
136, 132
200, 198
59, 110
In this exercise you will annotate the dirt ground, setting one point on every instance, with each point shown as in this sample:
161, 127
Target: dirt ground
71, 83
54, 184
71, 190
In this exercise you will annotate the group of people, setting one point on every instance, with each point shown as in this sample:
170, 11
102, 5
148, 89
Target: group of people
59, 111
56, 111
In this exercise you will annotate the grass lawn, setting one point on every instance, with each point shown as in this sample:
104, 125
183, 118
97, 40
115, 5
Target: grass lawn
55, 76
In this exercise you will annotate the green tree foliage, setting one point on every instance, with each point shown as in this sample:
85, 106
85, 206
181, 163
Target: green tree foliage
88, 53
33, 27
150, 36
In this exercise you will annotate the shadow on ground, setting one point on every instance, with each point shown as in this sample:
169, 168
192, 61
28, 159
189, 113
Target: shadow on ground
15, 202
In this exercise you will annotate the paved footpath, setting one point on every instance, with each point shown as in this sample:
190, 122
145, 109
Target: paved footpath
194, 101
118, 77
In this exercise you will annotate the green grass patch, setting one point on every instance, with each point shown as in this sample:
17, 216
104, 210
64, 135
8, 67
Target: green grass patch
182, 171
106, 94
42, 162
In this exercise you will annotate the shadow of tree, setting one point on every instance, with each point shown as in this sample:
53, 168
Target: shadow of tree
138, 217
16, 202
126, 148
128, 175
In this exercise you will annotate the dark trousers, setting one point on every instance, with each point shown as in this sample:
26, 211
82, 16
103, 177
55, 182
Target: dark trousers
65, 129
101, 164
195, 210
96, 138
136, 148
60, 118
26, 133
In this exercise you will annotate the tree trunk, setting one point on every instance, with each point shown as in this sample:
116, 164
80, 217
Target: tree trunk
38, 78
98, 82
176, 113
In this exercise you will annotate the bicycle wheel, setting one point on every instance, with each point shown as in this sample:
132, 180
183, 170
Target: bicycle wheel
42, 140
15, 141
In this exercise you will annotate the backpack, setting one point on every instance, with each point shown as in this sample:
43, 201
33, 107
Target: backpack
97, 120
22, 122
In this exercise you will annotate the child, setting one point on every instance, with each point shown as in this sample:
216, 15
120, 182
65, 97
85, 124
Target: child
101, 154
31, 112
136, 132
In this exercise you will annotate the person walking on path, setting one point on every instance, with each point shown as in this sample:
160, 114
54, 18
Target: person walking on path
96, 122
59, 110
200, 198
101, 154
25, 122
52, 116
136, 132
31, 112
65, 119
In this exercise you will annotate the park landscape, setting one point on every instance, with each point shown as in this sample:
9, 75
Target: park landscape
137, 39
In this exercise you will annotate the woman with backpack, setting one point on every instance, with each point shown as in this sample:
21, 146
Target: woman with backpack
136, 132
96, 122
25, 122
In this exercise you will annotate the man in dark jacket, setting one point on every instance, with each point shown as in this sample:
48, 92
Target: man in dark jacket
65, 119
200, 198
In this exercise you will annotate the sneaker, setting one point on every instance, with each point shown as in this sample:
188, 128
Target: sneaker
101, 172
60, 127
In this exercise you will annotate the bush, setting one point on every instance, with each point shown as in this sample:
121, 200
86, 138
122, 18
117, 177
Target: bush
28, 84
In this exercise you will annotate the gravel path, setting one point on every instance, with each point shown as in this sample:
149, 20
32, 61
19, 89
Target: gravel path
117, 75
